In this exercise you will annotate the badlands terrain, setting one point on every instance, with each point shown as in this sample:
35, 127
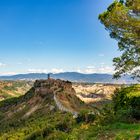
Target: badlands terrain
88, 93
93, 93
9, 89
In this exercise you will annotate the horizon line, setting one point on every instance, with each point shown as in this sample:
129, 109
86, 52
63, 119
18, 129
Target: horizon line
1, 75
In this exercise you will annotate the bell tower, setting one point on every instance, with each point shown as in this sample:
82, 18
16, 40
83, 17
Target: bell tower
49, 76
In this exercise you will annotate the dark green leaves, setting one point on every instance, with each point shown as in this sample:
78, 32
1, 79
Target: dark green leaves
122, 20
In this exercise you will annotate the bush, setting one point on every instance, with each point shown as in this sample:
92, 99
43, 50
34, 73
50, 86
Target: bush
126, 102
57, 135
66, 123
106, 115
85, 116
40, 134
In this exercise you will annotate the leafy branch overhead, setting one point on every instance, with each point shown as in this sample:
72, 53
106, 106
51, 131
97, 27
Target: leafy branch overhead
122, 20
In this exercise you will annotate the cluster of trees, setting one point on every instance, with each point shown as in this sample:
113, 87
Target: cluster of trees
126, 103
122, 20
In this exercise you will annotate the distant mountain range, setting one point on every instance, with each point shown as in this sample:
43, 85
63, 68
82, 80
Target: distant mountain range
74, 77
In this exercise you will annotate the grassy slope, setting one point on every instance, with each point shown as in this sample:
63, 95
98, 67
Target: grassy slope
61, 126
115, 131
35, 127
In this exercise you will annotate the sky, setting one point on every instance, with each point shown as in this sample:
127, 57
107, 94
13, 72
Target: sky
54, 36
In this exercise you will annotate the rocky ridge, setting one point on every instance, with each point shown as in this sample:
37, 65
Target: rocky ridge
45, 96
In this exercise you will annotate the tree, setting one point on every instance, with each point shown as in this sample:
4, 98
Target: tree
122, 20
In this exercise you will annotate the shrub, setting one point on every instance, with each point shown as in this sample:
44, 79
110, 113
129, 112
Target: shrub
126, 102
85, 116
66, 123
57, 135
40, 134
106, 115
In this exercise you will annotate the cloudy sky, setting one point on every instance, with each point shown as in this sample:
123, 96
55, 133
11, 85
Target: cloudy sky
54, 36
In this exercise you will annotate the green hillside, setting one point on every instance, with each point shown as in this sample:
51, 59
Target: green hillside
37, 116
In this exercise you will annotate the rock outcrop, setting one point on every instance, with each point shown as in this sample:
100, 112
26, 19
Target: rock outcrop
45, 96
61, 91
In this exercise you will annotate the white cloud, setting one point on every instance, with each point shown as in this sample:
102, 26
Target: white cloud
2, 64
55, 70
106, 69
8, 73
100, 69
90, 67
79, 70
88, 70
38, 70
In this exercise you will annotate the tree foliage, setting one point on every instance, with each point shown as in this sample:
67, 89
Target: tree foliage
126, 102
122, 20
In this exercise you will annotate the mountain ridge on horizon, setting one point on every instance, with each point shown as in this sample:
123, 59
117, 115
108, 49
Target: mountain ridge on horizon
73, 77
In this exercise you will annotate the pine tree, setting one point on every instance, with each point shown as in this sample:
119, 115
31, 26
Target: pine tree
122, 20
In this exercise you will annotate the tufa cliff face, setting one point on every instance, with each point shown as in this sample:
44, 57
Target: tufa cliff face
44, 97
61, 92
51, 86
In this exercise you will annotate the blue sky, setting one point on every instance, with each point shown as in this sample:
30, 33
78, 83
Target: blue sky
54, 35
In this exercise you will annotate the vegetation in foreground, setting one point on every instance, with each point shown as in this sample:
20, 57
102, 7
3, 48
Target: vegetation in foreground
118, 120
